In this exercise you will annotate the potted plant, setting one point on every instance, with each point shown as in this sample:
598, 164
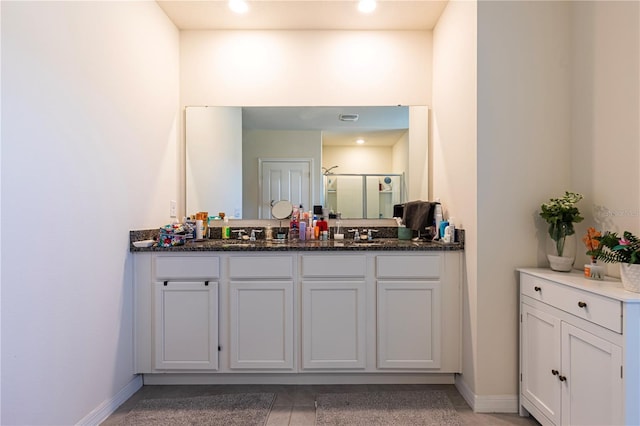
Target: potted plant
624, 250
561, 214
592, 242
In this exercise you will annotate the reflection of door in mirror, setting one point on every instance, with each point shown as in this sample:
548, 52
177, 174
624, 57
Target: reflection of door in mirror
284, 179
213, 159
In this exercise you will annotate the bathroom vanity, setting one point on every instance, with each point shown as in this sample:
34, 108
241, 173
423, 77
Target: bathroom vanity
316, 312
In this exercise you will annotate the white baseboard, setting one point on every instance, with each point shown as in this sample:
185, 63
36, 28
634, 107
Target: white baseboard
488, 403
104, 410
296, 379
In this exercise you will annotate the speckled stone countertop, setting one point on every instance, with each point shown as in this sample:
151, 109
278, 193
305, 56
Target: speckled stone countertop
377, 244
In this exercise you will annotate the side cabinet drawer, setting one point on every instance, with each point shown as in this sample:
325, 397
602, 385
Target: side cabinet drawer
186, 267
261, 267
592, 307
334, 266
400, 266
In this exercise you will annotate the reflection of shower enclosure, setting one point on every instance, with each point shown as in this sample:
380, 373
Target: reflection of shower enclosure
370, 196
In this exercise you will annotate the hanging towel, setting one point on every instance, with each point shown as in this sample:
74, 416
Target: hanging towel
418, 215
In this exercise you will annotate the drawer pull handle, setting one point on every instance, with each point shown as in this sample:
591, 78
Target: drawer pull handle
536, 288
562, 378
555, 372
582, 304
206, 283
165, 283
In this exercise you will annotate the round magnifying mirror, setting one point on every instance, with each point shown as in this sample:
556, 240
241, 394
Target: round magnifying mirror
281, 209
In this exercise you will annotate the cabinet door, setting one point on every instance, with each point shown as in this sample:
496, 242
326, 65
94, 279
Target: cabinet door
261, 321
333, 324
186, 325
409, 324
540, 358
592, 391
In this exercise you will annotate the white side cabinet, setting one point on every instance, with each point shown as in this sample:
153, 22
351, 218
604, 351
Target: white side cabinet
261, 313
333, 311
573, 336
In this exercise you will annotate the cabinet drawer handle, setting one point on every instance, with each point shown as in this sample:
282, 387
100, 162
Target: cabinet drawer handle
555, 372
582, 304
562, 378
536, 288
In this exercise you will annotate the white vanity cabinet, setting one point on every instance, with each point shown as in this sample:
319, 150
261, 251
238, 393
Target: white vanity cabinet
261, 305
308, 316
185, 313
409, 311
334, 313
578, 350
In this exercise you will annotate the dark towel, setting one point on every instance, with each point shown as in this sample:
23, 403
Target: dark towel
418, 215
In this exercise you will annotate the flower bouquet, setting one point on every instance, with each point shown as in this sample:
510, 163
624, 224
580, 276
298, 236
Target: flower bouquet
592, 243
624, 250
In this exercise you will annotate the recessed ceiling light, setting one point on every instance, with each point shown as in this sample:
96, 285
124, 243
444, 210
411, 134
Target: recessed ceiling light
238, 6
367, 6
360, 141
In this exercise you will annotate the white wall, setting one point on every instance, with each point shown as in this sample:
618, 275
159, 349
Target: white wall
89, 128
606, 116
454, 151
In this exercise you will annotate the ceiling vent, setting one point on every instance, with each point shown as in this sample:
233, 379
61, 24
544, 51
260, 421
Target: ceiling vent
348, 117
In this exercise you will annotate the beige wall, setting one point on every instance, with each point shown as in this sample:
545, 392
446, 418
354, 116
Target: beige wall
524, 158
90, 121
309, 68
453, 149
306, 68
358, 159
606, 116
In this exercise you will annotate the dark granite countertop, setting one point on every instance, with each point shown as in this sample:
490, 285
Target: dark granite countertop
379, 244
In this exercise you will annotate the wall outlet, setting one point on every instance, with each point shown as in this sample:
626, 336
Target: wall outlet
173, 208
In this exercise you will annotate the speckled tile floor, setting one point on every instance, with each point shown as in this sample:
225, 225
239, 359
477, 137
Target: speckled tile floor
294, 405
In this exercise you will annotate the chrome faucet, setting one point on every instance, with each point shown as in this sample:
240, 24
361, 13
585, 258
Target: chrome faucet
240, 232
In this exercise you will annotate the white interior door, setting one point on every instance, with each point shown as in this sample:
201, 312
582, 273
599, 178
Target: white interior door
282, 179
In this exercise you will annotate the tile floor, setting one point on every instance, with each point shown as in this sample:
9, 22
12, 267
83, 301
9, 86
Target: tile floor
294, 405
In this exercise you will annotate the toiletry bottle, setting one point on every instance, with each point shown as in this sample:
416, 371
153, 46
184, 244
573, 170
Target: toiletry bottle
303, 230
293, 225
268, 233
226, 230
438, 217
442, 228
450, 233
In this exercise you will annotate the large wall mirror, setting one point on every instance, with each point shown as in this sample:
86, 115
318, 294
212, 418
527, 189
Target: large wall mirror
357, 161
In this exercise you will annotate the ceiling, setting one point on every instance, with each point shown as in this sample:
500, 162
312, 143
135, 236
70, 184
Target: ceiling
304, 15
379, 125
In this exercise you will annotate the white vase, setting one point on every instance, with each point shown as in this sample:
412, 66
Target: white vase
630, 276
561, 263
565, 262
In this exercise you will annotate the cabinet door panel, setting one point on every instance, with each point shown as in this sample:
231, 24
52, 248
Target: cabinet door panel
592, 392
333, 324
261, 322
186, 325
409, 324
540, 355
